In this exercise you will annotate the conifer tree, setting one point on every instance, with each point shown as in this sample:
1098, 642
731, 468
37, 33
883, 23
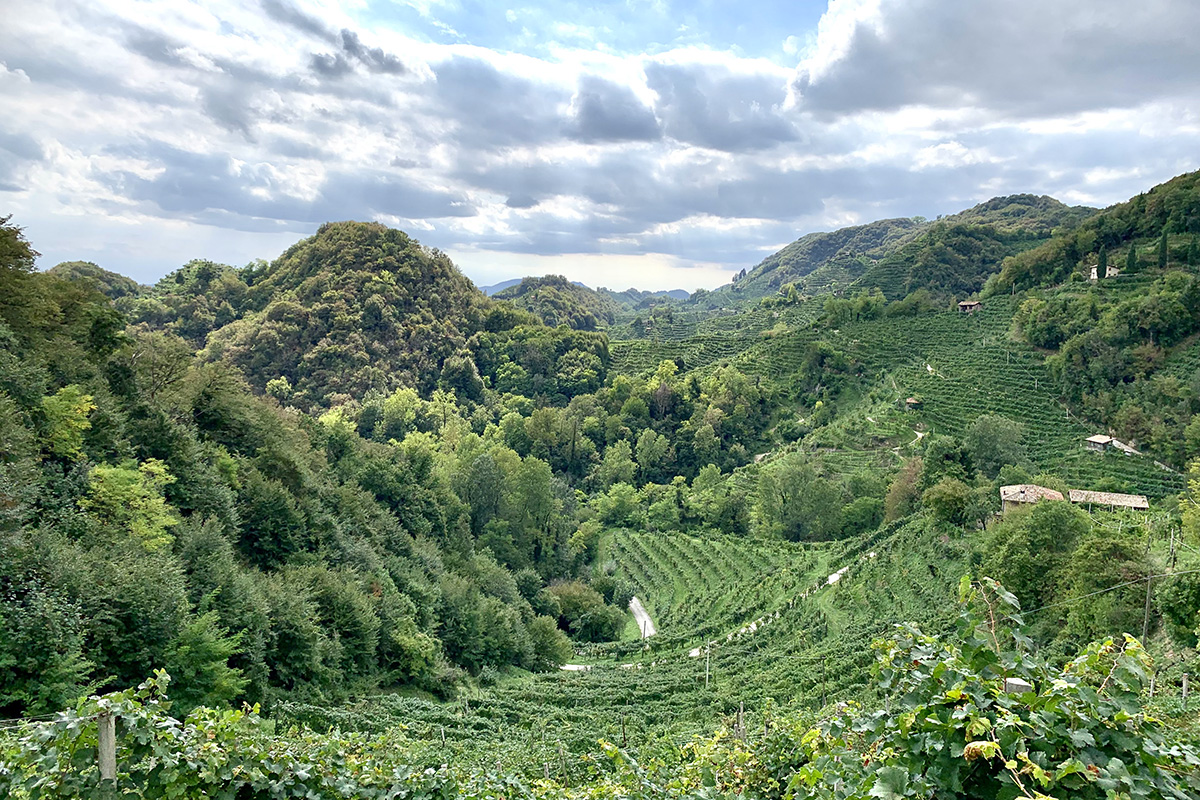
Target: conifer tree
1102, 265
1162, 250
1131, 261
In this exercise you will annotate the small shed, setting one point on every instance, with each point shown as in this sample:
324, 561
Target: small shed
1024, 494
1113, 500
1098, 443
969, 306
912, 403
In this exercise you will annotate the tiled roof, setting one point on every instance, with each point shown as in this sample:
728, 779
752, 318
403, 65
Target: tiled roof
1110, 499
1028, 493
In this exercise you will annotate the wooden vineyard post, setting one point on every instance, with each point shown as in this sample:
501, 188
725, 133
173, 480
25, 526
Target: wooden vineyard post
707, 653
624, 740
562, 756
106, 747
1146, 615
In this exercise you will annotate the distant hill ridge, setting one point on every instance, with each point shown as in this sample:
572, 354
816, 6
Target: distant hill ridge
954, 254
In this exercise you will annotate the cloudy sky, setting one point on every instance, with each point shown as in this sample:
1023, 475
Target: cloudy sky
657, 144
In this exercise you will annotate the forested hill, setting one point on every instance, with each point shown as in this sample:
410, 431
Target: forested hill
950, 257
954, 256
354, 307
808, 254
558, 301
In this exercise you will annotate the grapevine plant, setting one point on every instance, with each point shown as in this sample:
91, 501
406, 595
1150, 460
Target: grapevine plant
956, 725
982, 716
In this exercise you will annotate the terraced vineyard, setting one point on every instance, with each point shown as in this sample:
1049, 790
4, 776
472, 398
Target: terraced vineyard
962, 366
813, 648
702, 587
700, 339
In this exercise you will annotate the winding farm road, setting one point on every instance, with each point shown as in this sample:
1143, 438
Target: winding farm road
645, 624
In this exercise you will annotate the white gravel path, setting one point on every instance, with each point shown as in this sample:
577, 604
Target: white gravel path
645, 624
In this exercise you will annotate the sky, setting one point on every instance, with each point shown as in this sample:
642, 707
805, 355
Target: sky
646, 143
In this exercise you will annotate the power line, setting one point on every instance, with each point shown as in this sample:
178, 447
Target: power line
1110, 589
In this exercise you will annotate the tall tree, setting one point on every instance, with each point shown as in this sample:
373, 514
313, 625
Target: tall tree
1162, 250
1102, 265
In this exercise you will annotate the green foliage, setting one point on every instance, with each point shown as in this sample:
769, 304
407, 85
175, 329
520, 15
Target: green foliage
948, 500
1178, 599
66, 413
797, 503
953, 730
905, 490
42, 666
128, 499
557, 301
808, 255
993, 442
584, 613
551, 647
209, 754
110, 284
1030, 550
200, 657
308, 316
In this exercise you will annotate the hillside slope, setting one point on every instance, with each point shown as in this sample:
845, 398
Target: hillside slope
557, 301
807, 254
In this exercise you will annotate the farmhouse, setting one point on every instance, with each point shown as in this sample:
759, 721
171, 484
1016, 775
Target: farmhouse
1025, 493
969, 306
1113, 500
1100, 443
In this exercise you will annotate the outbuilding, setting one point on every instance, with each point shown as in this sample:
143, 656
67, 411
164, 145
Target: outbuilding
1113, 500
969, 306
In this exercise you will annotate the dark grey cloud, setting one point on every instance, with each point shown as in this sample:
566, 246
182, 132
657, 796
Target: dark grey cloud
230, 105
492, 109
204, 186
1022, 58
18, 152
610, 112
373, 58
22, 146
329, 65
336, 65
712, 106
290, 15
521, 201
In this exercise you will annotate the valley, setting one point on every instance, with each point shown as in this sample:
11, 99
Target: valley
356, 528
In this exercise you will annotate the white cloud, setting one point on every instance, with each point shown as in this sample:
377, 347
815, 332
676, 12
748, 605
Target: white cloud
224, 129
